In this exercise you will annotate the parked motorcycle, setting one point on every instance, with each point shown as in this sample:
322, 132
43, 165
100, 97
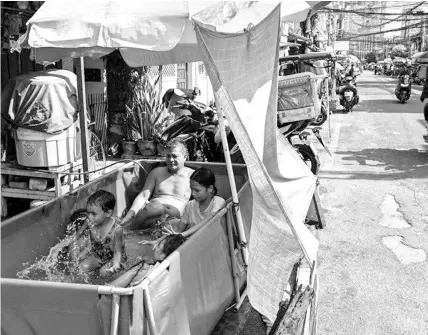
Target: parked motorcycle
322, 116
403, 89
196, 130
348, 94
308, 151
305, 149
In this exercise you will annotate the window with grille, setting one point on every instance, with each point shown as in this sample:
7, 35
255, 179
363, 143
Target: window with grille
167, 70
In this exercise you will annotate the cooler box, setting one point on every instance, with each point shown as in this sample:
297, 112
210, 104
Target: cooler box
39, 149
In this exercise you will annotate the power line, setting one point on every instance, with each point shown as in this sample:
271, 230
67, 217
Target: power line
413, 8
378, 42
367, 13
396, 6
397, 19
381, 32
381, 7
387, 22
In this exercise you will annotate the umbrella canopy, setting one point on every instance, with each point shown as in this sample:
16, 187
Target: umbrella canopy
399, 60
421, 57
354, 59
388, 60
339, 66
146, 33
416, 55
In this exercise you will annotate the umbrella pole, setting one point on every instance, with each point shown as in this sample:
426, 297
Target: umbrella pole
333, 69
327, 89
83, 117
232, 184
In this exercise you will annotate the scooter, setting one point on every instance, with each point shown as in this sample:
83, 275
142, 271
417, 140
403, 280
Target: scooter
196, 130
305, 149
308, 151
403, 89
322, 116
348, 94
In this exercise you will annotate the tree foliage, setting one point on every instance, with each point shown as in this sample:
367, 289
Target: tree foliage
371, 57
399, 51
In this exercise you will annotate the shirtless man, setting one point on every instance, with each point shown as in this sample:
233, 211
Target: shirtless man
167, 188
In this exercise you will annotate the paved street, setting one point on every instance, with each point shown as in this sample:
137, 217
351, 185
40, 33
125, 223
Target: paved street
373, 252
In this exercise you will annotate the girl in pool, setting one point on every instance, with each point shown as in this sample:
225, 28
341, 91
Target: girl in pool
204, 205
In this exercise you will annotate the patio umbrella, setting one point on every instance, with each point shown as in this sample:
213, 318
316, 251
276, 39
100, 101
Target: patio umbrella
399, 60
421, 57
144, 33
354, 59
416, 55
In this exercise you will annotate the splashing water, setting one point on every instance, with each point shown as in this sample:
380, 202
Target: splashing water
56, 266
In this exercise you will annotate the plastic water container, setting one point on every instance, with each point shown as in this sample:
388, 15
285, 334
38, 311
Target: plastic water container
39, 149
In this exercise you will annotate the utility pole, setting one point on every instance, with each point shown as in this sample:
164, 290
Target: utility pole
423, 33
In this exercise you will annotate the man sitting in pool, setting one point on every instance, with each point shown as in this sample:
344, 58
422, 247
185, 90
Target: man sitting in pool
167, 188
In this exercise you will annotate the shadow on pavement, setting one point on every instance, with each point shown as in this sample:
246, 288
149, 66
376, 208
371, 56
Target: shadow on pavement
423, 122
389, 103
398, 164
366, 84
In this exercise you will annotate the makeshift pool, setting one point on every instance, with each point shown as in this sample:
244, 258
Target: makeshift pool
186, 294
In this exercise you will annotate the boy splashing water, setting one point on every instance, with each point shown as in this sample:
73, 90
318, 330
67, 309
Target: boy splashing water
105, 249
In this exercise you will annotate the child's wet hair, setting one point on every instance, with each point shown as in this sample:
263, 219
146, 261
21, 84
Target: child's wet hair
174, 143
172, 243
103, 199
205, 177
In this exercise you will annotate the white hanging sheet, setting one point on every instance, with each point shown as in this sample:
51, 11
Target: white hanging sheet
243, 69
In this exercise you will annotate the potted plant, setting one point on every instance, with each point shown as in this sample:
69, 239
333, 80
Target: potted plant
129, 124
144, 110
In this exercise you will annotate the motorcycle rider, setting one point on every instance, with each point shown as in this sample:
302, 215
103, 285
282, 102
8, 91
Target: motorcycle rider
345, 85
351, 71
403, 74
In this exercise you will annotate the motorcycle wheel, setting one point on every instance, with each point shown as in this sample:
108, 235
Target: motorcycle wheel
322, 117
348, 107
426, 112
308, 157
403, 98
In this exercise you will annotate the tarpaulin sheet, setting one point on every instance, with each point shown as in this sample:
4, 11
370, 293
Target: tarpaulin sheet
243, 70
199, 286
45, 308
44, 101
